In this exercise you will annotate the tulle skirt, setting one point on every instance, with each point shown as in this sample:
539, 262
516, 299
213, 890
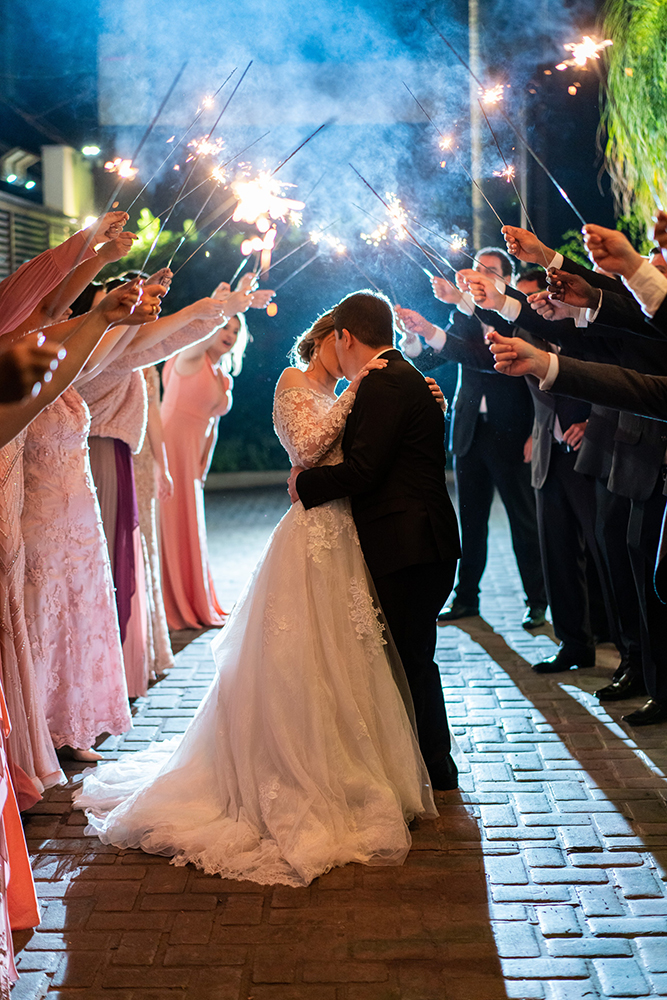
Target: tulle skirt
302, 755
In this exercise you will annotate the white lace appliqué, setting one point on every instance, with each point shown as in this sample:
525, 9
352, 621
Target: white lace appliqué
274, 623
324, 526
364, 614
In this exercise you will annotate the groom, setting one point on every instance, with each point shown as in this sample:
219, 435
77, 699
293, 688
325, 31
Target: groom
393, 470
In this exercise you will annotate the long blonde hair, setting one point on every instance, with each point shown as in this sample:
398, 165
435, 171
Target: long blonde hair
304, 347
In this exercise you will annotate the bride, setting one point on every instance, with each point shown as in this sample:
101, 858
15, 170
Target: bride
302, 755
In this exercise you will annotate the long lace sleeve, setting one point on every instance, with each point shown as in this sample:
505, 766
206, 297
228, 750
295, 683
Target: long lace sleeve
304, 429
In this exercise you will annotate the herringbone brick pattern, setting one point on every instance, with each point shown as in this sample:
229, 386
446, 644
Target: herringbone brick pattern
544, 877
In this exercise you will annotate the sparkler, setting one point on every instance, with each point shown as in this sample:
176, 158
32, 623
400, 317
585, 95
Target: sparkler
202, 245
123, 168
392, 213
200, 112
192, 168
298, 271
508, 173
300, 146
456, 245
582, 51
493, 95
121, 181
261, 198
562, 192
446, 143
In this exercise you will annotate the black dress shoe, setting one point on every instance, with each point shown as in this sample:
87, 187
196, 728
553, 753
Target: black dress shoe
456, 610
648, 714
628, 685
534, 616
444, 776
561, 661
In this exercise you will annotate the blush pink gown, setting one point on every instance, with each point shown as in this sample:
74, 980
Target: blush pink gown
69, 596
29, 746
191, 409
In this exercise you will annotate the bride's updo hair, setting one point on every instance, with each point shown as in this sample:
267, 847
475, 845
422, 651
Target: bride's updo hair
302, 352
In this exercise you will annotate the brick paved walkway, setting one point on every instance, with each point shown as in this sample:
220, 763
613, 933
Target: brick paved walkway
543, 878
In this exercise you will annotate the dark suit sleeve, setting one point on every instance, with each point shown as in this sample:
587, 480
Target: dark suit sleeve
659, 321
595, 279
625, 316
611, 385
376, 421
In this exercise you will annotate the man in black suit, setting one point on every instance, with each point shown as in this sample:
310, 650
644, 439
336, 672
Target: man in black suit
490, 439
394, 473
629, 390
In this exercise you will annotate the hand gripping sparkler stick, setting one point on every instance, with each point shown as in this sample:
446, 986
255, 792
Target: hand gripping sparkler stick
465, 170
195, 162
562, 192
173, 149
122, 180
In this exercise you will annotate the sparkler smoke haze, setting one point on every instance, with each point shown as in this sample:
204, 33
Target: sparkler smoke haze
339, 62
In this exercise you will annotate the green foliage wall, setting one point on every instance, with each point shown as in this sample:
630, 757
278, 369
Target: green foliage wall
635, 113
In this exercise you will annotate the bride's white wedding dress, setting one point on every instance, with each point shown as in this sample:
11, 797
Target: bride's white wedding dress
301, 756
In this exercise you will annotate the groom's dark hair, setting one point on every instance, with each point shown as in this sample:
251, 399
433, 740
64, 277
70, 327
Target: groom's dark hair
368, 316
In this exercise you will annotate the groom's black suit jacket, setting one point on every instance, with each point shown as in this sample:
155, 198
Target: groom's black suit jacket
393, 471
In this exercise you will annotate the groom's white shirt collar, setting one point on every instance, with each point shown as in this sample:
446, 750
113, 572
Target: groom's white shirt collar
383, 351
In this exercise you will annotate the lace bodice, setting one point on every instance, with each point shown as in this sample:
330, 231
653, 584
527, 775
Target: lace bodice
310, 424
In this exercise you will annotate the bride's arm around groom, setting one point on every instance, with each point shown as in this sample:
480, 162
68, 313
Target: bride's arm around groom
393, 471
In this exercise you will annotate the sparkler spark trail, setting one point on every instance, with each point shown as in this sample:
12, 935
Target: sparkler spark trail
456, 245
189, 129
123, 168
508, 173
446, 143
563, 193
194, 164
380, 198
57, 303
582, 51
493, 95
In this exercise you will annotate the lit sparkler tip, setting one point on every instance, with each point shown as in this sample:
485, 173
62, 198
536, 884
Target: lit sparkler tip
493, 95
584, 50
445, 142
508, 173
205, 147
458, 242
262, 196
207, 102
378, 236
121, 167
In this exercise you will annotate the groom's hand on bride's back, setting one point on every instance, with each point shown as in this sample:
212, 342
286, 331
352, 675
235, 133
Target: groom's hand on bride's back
291, 483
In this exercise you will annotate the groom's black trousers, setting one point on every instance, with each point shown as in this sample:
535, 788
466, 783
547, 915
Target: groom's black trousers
411, 599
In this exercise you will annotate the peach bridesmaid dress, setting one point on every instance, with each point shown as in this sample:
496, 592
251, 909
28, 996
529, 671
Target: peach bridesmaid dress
191, 410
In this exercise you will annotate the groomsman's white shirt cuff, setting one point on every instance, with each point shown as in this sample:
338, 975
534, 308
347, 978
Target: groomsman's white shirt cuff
438, 340
649, 287
510, 309
556, 261
466, 304
551, 375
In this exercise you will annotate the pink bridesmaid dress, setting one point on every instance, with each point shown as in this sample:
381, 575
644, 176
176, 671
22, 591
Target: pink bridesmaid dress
69, 595
191, 410
30, 747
